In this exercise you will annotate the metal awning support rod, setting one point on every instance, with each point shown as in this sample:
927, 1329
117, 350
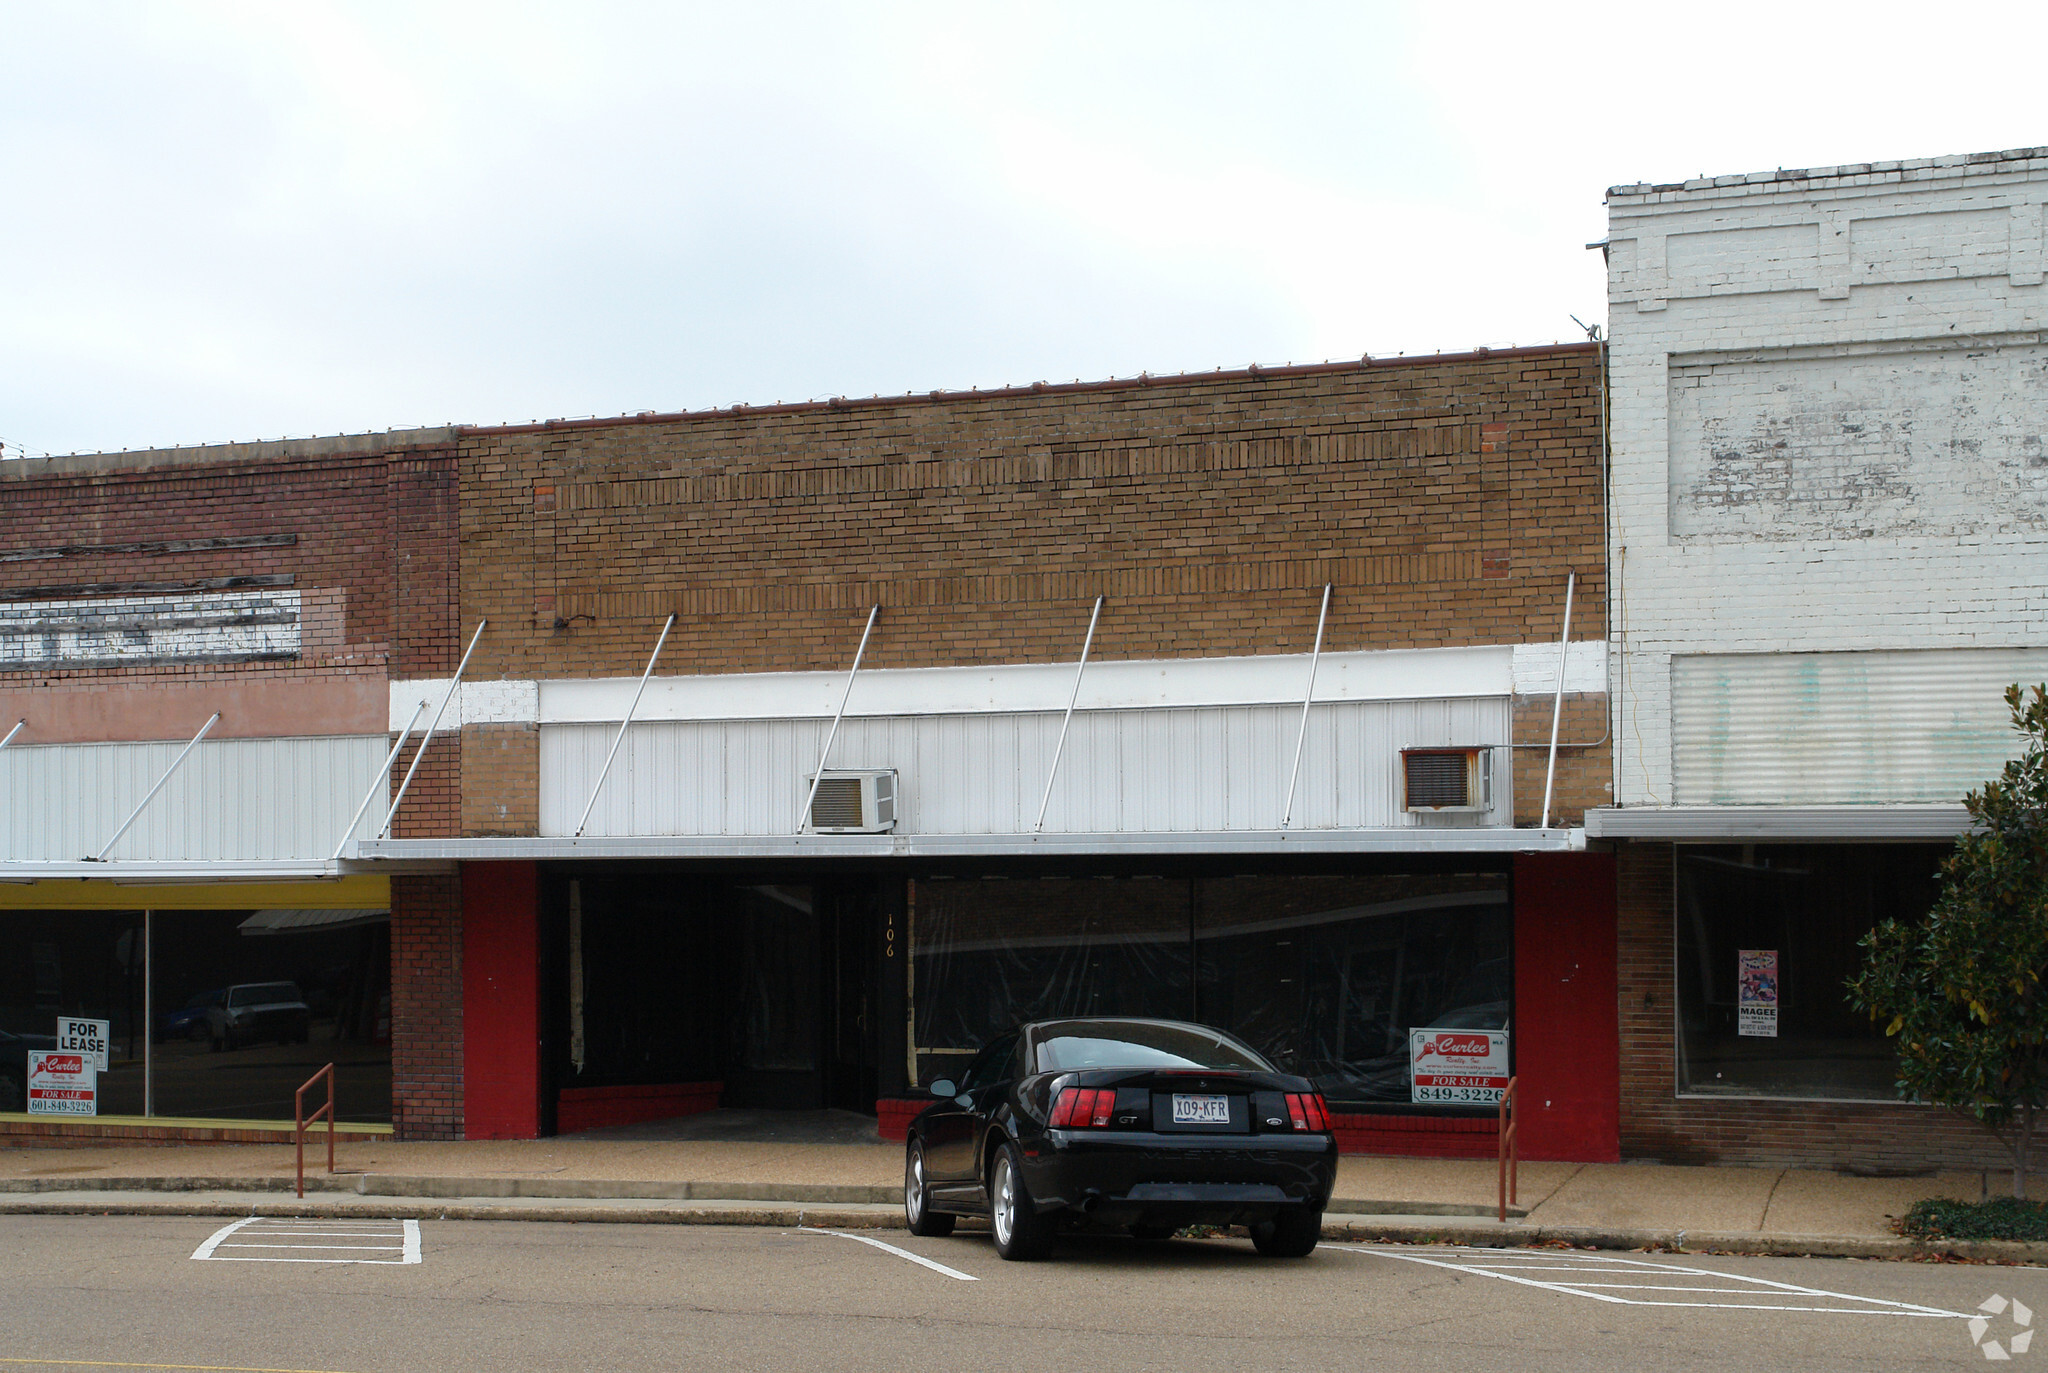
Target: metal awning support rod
382, 779
624, 724
1564, 643
1061, 747
1301, 736
183, 754
432, 725
804, 818
19, 726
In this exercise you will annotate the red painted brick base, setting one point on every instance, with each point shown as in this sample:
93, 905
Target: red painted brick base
892, 1118
591, 1108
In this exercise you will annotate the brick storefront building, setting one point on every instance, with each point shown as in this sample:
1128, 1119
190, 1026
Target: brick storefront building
263, 596
696, 936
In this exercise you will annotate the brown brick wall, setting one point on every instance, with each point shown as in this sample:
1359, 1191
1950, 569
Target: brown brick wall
426, 1007
1656, 1123
1446, 500
501, 779
1583, 757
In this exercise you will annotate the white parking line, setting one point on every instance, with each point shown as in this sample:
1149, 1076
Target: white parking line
400, 1239
899, 1253
1507, 1266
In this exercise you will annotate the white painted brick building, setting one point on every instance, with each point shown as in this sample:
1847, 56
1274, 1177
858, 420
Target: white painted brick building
1830, 480
1828, 528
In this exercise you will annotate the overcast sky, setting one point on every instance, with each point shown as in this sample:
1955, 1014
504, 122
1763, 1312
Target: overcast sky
238, 221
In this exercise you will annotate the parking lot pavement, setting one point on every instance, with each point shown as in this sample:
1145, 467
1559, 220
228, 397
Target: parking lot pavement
127, 1292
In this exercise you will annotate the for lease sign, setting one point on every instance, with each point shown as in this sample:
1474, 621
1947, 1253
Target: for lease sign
1463, 1067
62, 1084
88, 1037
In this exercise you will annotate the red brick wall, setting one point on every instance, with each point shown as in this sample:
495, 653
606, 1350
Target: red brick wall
426, 1007
373, 560
1656, 1123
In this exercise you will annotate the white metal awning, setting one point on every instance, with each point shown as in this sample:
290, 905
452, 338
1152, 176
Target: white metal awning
1407, 839
1777, 822
275, 870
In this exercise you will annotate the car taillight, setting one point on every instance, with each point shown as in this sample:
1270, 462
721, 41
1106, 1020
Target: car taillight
1308, 1111
1084, 1108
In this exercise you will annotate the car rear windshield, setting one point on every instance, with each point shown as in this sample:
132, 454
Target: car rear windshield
263, 992
1139, 1044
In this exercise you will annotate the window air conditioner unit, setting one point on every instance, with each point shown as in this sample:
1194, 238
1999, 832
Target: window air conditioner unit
1439, 780
854, 803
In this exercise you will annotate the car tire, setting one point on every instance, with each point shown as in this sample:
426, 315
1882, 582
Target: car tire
219, 1044
1289, 1235
1021, 1233
1151, 1232
197, 1033
917, 1200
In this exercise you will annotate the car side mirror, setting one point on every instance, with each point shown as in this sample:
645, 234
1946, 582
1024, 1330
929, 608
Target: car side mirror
945, 1087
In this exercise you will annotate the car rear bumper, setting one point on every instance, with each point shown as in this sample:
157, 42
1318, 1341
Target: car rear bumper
1125, 1178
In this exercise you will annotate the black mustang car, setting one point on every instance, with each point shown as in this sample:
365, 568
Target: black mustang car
1141, 1125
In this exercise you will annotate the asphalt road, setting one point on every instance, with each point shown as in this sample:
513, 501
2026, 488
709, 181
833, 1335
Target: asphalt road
127, 1292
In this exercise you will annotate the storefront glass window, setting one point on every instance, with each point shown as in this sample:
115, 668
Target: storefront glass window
250, 1004
1766, 937
988, 955
1326, 976
72, 963
247, 1005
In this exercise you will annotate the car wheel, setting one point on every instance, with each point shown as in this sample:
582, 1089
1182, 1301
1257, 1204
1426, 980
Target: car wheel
219, 1044
1289, 1235
12, 1097
1021, 1233
1159, 1231
917, 1209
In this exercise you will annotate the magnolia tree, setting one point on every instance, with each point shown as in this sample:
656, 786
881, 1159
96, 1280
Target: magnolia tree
1962, 992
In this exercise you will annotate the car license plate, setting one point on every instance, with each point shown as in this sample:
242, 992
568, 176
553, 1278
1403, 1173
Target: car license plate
1200, 1110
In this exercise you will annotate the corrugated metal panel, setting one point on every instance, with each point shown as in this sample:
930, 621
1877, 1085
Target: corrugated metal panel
234, 799
1842, 728
1145, 771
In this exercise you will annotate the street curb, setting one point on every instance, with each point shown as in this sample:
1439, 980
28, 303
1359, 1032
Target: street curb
1425, 1230
841, 1216
599, 1189
471, 1188
1414, 1229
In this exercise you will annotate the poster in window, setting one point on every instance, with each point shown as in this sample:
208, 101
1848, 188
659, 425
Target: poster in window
1756, 993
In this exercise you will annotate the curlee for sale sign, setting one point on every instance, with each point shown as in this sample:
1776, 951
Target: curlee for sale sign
1458, 1067
62, 1084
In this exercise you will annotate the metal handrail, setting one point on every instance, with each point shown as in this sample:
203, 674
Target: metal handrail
300, 1120
1508, 1161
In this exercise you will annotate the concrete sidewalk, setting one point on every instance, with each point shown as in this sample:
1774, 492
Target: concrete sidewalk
603, 1177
